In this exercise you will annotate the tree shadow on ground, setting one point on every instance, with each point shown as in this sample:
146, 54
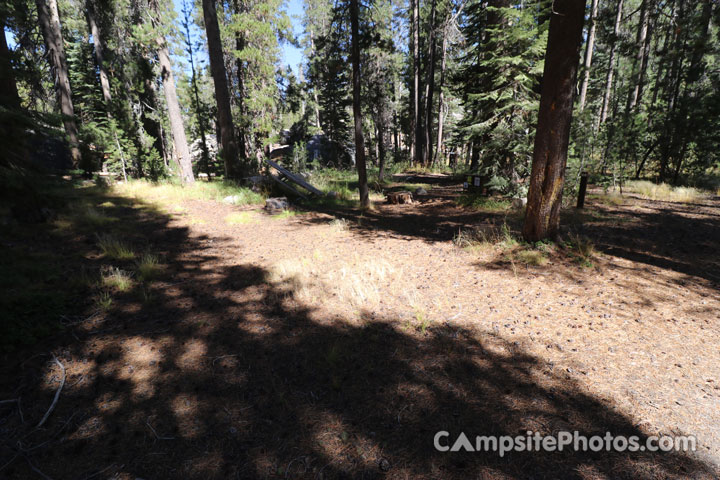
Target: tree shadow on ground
225, 374
671, 236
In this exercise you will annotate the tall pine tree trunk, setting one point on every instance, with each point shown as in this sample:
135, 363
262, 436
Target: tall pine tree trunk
49, 19
587, 63
430, 88
611, 64
314, 90
381, 148
177, 126
99, 49
242, 131
417, 124
357, 114
542, 217
441, 96
222, 96
640, 62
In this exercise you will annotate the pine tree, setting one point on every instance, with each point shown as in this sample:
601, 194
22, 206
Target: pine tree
233, 169
542, 216
49, 19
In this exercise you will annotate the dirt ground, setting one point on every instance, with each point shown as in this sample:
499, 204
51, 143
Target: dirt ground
336, 343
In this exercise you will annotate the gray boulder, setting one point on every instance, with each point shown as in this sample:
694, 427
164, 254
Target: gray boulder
277, 204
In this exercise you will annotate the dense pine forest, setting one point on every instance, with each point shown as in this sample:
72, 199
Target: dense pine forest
161, 89
359, 239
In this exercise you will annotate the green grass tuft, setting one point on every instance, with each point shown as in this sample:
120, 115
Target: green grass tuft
148, 267
115, 248
532, 257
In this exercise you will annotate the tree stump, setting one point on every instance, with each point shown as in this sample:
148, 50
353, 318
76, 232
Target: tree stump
399, 197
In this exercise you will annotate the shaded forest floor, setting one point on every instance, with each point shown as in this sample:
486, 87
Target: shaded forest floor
332, 343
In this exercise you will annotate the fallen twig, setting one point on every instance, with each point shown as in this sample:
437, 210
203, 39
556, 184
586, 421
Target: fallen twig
9, 462
147, 422
35, 469
57, 393
223, 356
100, 471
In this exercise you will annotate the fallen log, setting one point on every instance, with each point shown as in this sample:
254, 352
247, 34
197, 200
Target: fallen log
294, 178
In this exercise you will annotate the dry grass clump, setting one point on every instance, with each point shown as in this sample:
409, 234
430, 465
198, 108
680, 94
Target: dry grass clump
665, 192
167, 193
583, 248
116, 279
485, 237
339, 224
354, 281
114, 248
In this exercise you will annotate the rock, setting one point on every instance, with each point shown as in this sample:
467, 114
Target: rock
518, 203
420, 191
276, 204
399, 197
231, 199
332, 194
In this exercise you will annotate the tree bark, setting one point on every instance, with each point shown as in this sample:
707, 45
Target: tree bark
99, 56
243, 137
177, 126
611, 64
49, 19
314, 90
149, 102
381, 150
430, 88
640, 62
588, 54
357, 114
222, 96
441, 97
542, 217
417, 124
